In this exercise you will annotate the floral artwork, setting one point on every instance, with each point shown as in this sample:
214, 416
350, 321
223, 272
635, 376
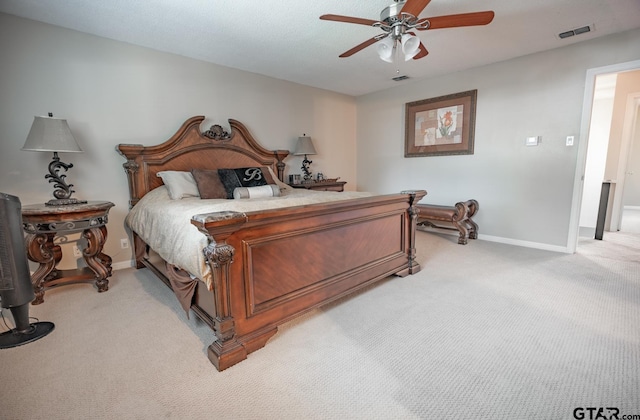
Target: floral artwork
446, 123
441, 126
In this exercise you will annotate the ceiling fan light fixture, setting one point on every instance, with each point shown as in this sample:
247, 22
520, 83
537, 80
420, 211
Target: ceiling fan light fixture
385, 49
410, 46
400, 19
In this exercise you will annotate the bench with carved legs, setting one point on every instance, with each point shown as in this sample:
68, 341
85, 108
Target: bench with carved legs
458, 217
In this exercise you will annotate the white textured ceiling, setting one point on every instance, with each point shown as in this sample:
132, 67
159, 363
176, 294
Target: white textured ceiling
286, 39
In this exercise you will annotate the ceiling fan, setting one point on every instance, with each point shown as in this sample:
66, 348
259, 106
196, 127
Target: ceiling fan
397, 22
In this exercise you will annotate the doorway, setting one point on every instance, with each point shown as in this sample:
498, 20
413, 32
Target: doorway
620, 157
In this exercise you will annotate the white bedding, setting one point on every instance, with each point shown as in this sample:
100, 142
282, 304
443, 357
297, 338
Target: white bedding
165, 224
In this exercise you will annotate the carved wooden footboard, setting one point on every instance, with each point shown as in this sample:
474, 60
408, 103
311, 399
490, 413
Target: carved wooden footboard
272, 266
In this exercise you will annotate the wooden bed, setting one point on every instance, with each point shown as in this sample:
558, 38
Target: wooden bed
270, 266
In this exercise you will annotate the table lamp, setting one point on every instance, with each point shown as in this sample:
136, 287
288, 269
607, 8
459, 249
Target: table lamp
50, 134
305, 147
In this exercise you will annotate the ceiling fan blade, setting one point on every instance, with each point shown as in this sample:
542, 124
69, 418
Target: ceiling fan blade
348, 19
455, 21
359, 47
414, 7
423, 52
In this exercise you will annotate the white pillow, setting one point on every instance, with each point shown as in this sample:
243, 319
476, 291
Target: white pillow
270, 190
180, 184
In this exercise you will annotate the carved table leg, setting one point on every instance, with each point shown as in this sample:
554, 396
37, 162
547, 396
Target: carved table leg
99, 262
41, 249
462, 227
473, 229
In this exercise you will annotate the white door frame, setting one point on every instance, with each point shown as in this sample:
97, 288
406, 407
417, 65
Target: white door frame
578, 183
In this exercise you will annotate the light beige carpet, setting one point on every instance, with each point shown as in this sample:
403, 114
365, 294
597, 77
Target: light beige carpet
484, 331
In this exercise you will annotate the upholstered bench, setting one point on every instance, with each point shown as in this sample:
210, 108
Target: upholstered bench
457, 217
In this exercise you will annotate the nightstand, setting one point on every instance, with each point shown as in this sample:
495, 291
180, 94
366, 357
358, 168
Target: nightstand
322, 185
42, 223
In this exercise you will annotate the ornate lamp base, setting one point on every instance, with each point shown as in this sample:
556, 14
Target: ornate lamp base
306, 170
61, 190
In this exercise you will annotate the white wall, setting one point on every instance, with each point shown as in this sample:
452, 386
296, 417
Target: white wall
111, 92
525, 193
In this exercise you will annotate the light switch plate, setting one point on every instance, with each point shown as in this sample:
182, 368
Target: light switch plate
569, 140
532, 141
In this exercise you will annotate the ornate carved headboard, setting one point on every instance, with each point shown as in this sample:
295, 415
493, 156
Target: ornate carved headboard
189, 148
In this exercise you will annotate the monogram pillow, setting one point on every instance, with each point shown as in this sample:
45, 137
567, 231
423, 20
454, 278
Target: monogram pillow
244, 177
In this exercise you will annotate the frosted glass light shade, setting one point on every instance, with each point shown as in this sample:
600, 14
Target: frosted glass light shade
385, 49
410, 46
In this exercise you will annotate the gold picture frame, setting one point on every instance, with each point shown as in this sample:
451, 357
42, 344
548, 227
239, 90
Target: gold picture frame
441, 126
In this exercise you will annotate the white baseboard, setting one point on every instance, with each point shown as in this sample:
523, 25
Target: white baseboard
508, 241
526, 244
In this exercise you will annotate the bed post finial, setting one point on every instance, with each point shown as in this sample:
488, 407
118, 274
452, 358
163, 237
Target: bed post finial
280, 165
412, 212
131, 168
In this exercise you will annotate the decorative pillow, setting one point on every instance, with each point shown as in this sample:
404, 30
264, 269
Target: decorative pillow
209, 184
244, 177
180, 184
270, 190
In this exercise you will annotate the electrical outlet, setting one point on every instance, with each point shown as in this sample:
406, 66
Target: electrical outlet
124, 243
76, 251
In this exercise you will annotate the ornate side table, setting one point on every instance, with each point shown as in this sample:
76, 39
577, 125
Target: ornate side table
42, 223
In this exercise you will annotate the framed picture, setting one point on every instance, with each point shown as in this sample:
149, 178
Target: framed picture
441, 126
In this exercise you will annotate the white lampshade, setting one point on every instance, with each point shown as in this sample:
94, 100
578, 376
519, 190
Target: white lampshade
50, 134
410, 46
385, 49
304, 147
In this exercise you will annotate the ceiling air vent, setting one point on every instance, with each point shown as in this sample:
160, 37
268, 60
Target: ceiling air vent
400, 78
576, 31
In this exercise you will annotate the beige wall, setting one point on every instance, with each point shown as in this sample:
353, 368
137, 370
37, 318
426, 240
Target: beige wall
525, 193
111, 92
